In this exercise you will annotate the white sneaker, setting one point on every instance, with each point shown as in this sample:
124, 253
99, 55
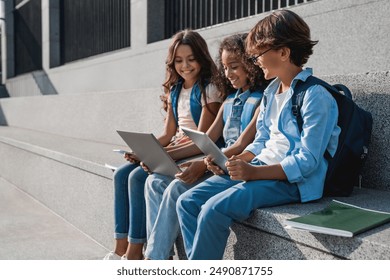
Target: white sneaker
124, 258
111, 256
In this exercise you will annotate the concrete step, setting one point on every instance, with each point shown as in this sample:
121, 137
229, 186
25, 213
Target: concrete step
31, 231
91, 116
65, 174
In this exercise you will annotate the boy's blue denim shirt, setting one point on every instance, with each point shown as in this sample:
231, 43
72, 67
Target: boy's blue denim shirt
304, 163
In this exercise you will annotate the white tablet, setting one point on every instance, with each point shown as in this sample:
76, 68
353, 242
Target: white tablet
207, 146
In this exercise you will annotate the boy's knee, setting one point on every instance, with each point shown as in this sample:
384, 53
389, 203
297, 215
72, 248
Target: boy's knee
209, 211
183, 203
207, 214
208, 218
211, 215
179, 203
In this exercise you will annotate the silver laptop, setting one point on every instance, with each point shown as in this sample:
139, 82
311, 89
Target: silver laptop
149, 150
207, 146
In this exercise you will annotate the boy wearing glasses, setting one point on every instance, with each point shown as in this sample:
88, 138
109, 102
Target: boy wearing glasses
282, 165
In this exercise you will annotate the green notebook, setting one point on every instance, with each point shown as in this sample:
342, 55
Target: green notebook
340, 219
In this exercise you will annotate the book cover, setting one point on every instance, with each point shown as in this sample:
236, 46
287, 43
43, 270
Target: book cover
340, 219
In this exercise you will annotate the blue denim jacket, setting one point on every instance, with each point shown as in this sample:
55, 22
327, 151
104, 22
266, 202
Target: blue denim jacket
238, 111
304, 163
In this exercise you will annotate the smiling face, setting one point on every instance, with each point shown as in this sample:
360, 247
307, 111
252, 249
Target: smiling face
186, 65
234, 70
269, 62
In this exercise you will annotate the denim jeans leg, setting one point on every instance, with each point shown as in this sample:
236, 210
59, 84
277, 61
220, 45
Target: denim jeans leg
121, 201
166, 225
235, 203
189, 205
155, 187
137, 218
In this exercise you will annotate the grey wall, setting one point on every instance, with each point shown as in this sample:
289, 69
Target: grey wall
353, 38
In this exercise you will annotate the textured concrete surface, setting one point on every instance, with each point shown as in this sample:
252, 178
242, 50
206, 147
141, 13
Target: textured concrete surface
31, 231
371, 91
76, 188
93, 117
246, 243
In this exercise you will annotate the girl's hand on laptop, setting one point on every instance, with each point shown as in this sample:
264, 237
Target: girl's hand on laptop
145, 168
211, 166
192, 171
131, 157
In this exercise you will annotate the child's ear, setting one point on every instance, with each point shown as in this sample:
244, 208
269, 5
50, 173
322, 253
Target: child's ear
285, 54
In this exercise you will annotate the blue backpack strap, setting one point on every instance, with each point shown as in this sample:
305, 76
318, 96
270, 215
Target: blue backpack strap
300, 91
175, 92
299, 94
227, 106
250, 107
196, 102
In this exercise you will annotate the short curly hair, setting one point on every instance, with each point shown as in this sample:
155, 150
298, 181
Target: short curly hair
235, 44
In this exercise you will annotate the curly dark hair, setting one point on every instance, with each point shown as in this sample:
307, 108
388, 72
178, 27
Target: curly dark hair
235, 44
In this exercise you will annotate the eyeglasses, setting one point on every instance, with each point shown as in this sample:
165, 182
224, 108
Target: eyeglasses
254, 58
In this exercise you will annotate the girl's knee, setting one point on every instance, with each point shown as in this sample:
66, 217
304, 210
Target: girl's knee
121, 172
137, 176
174, 190
152, 184
156, 184
136, 187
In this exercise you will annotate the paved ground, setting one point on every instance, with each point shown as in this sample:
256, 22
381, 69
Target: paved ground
31, 231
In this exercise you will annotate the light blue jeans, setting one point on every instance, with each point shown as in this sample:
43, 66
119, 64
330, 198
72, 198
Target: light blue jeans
129, 203
206, 211
161, 194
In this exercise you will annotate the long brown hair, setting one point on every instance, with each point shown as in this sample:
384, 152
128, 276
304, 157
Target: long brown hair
201, 54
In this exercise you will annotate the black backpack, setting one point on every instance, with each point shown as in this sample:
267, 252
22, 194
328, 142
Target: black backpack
344, 169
